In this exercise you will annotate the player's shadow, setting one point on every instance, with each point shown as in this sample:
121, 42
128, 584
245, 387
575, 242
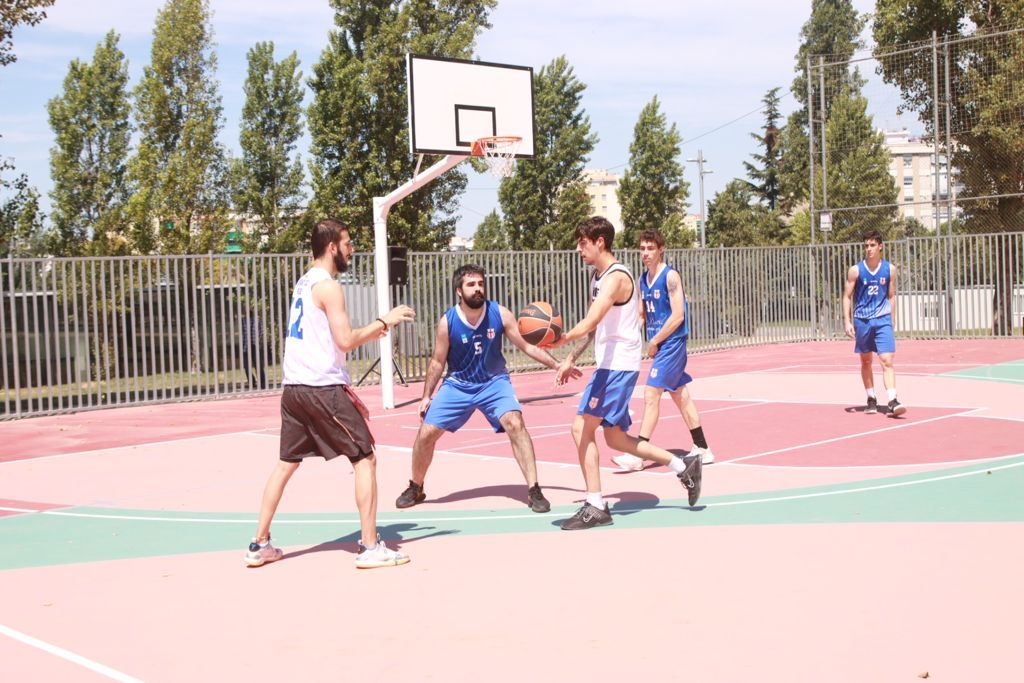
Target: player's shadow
516, 492
882, 410
626, 503
394, 534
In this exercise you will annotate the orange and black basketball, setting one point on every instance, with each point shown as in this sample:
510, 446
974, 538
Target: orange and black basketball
540, 324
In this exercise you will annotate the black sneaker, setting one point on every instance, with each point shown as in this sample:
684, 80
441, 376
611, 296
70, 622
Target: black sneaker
872, 406
412, 495
896, 408
537, 501
690, 478
588, 516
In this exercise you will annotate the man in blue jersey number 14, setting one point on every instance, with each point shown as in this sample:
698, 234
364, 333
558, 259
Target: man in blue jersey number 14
869, 313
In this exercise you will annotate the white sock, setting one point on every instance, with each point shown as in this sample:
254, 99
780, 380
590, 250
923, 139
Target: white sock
596, 499
676, 465
891, 393
871, 392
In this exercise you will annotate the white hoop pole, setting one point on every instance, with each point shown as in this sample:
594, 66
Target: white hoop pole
381, 207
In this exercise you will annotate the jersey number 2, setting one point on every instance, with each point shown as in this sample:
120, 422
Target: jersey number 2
295, 321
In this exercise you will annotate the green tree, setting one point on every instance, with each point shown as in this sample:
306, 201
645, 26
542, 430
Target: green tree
858, 171
833, 31
490, 235
530, 197
178, 173
985, 105
764, 176
360, 143
735, 218
21, 222
90, 123
14, 13
652, 192
267, 181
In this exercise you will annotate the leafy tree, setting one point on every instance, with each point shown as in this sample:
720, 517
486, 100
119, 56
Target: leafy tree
652, 192
90, 122
14, 13
360, 144
490, 235
765, 175
267, 182
530, 197
178, 174
735, 218
985, 101
832, 30
21, 222
858, 170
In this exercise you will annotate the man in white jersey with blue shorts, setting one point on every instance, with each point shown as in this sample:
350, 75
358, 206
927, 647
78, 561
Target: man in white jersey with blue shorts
611, 323
665, 312
320, 414
468, 340
869, 314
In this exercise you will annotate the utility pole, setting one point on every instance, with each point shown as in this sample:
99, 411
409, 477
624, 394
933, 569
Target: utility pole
703, 207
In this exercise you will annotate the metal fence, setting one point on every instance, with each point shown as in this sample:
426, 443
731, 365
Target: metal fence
81, 333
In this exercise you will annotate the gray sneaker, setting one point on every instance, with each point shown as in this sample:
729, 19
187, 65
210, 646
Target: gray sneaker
261, 554
412, 495
896, 408
587, 517
379, 556
537, 501
872, 407
690, 478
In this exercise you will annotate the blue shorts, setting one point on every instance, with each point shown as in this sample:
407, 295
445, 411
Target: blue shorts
874, 335
454, 403
607, 396
668, 371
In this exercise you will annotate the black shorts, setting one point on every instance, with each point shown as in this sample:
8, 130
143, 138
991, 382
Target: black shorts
322, 421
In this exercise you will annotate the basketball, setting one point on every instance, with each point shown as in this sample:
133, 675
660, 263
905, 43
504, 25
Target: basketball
540, 324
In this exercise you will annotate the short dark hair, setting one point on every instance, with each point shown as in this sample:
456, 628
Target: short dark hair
325, 233
462, 271
594, 227
874, 235
652, 235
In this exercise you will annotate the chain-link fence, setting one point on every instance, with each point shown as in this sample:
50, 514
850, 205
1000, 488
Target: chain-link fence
99, 332
945, 122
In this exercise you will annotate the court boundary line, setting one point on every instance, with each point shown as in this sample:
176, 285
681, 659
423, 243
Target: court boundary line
838, 491
855, 435
68, 655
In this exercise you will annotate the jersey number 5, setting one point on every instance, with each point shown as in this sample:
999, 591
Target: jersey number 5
295, 321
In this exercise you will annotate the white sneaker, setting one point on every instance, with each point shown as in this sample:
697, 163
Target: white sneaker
706, 456
628, 462
379, 556
260, 555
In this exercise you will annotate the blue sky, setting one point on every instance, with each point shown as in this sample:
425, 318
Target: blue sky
708, 63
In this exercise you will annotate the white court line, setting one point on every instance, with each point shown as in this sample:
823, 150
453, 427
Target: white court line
68, 655
477, 518
988, 377
943, 464
91, 451
851, 436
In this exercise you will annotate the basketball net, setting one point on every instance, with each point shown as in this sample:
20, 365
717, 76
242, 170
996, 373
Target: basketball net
499, 152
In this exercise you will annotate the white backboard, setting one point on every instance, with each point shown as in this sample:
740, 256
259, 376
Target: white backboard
452, 102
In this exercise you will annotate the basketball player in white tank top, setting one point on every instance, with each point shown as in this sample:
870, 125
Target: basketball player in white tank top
611, 323
320, 416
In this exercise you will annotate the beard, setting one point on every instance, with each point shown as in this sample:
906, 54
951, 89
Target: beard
340, 262
476, 301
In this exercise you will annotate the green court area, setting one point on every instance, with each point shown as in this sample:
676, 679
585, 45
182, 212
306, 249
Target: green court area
979, 492
1012, 372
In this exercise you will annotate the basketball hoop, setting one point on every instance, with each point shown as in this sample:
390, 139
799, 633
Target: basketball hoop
499, 152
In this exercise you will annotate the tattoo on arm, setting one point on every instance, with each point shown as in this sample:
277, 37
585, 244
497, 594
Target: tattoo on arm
581, 346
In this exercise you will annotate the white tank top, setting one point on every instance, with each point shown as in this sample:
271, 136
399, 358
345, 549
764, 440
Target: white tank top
617, 342
310, 355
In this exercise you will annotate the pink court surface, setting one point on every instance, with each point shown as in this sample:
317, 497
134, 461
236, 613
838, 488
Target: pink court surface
829, 544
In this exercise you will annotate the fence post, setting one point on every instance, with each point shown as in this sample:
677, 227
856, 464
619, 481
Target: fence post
810, 144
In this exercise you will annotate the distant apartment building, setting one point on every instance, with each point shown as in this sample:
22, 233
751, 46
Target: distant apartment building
912, 166
603, 190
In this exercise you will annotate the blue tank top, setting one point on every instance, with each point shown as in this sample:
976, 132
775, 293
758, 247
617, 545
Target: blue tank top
658, 308
474, 353
871, 293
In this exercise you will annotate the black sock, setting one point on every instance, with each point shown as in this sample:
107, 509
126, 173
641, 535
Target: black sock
698, 437
642, 438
